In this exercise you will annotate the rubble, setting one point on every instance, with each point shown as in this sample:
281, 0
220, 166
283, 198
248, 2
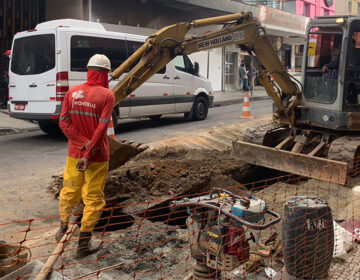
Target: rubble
170, 172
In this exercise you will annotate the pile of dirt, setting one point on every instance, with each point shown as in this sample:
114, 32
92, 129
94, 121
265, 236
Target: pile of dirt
169, 172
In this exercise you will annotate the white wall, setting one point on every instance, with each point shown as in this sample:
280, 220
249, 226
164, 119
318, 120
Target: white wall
215, 66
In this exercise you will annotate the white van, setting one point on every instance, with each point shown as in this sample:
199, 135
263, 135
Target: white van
47, 61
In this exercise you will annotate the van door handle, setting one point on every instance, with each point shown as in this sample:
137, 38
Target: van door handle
166, 77
12, 86
50, 85
33, 85
177, 78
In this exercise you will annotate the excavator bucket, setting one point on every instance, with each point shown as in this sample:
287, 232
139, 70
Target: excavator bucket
300, 164
121, 152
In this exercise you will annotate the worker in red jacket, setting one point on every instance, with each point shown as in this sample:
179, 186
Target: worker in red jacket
85, 115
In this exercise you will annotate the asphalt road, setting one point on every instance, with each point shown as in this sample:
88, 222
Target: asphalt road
29, 159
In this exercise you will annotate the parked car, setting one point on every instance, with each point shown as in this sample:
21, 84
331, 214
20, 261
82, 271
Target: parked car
48, 60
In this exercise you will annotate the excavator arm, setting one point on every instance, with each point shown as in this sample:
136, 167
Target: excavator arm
237, 29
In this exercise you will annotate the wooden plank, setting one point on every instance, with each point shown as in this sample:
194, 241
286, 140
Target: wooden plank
304, 165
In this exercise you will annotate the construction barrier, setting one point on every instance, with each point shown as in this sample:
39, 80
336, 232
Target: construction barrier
111, 130
246, 110
281, 226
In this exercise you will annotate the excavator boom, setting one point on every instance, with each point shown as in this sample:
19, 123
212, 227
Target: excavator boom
159, 49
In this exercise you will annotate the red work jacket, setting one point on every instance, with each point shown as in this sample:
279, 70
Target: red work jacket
85, 114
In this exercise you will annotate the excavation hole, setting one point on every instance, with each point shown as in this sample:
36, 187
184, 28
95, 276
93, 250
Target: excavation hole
161, 213
258, 177
113, 220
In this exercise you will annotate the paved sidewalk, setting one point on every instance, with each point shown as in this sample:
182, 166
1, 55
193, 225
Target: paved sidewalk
10, 125
221, 98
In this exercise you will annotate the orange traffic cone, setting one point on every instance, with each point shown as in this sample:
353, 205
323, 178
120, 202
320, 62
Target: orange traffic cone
246, 111
111, 130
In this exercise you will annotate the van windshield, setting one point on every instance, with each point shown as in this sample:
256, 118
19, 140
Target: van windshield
33, 54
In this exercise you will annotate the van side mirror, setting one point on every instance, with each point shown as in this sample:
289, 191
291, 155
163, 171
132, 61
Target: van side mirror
196, 69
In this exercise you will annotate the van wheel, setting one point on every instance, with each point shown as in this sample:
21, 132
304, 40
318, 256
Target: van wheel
155, 117
200, 109
50, 128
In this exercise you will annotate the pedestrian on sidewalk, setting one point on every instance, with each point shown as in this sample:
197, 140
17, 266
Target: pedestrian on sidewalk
244, 76
85, 114
252, 75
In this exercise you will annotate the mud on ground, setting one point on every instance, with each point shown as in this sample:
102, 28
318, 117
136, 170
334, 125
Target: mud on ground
169, 172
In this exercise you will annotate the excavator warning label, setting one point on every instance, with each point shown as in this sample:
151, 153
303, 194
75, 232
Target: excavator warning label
237, 36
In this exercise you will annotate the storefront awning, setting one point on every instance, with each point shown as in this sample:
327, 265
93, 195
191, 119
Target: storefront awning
280, 23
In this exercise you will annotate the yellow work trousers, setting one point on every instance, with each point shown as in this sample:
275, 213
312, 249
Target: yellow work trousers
89, 186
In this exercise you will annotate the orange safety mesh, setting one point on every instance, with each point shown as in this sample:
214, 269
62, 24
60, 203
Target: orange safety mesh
149, 241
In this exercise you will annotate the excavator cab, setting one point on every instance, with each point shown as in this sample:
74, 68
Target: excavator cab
331, 74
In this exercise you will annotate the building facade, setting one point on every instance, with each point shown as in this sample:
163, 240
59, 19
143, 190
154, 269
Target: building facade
353, 7
15, 16
310, 8
219, 65
292, 53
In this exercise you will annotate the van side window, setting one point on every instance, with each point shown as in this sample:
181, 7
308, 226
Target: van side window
84, 47
132, 47
183, 63
179, 63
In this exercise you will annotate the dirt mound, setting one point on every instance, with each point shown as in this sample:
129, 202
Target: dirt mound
169, 172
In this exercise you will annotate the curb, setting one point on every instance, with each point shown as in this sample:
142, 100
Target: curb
7, 131
237, 100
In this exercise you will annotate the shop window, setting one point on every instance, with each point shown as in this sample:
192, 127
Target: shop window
290, 6
349, 6
306, 10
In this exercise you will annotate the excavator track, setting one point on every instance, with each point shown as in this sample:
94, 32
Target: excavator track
268, 134
346, 149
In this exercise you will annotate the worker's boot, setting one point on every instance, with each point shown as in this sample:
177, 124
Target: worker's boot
85, 246
61, 231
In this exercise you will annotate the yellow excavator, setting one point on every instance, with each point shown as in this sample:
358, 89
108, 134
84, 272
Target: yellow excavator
315, 128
